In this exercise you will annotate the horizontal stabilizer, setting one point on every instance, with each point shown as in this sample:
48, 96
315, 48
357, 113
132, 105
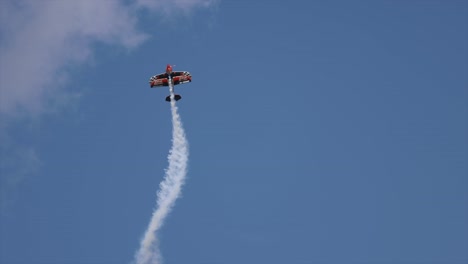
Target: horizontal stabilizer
176, 97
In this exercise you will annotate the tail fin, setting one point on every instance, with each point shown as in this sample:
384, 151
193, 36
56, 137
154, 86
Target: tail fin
176, 97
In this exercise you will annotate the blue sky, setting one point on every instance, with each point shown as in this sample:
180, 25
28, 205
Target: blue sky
319, 131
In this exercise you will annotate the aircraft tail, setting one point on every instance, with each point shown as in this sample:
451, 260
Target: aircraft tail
177, 97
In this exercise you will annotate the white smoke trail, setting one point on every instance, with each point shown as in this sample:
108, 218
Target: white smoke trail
169, 190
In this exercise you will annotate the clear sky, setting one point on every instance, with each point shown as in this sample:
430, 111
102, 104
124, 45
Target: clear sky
320, 131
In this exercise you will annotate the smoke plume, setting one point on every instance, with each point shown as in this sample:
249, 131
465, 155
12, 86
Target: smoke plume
169, 190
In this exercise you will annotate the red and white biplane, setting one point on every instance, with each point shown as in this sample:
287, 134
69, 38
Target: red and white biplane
170, 78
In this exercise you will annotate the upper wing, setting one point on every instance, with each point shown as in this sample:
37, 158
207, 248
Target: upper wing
180, 77
159, 80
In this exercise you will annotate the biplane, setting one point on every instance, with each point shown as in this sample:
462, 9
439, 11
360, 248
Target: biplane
170, 78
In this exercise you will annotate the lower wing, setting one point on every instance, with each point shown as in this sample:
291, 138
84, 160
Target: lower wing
158, 82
